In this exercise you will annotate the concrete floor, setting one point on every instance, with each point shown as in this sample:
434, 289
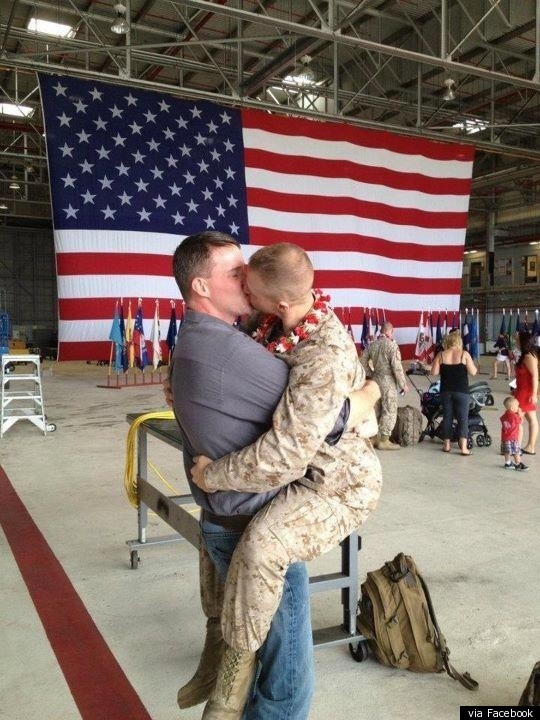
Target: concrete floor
471, 526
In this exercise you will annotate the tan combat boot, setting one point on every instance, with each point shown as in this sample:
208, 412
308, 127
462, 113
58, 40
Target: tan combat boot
233, 684
384, 443
200, 687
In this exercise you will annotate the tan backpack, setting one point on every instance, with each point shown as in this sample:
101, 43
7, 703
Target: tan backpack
397, 617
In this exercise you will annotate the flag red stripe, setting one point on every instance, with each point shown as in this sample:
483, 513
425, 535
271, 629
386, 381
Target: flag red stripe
113, 264
359, 243
103, 309
320, 167
376, 281
316, 204
399, 318
337, 131
98, 684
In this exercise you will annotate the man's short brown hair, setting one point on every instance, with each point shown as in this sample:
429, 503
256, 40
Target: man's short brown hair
192, 258
286, 269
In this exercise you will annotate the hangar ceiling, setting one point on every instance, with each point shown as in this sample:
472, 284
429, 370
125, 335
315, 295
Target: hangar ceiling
445, 69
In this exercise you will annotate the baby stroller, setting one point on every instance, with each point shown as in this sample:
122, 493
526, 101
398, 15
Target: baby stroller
480, 395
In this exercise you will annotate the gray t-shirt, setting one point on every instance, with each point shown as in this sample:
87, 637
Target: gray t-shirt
225, 388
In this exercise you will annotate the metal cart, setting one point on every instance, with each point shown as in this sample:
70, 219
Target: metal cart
173, 511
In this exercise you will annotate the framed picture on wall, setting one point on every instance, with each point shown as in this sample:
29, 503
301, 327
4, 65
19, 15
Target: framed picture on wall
475, 275
503, 266
531, 269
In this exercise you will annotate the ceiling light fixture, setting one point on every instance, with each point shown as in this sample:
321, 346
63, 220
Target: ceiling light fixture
471, 125
14, 185
303, 75
3, 207
46, 27
449, 93
120, 26
16, 110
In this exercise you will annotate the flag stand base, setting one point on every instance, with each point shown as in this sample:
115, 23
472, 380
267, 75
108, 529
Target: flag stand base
141, 379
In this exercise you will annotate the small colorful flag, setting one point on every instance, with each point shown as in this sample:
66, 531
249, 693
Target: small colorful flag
139, 341
129, 338
172, 331
123, 331
155, 338
364, 340
117, 338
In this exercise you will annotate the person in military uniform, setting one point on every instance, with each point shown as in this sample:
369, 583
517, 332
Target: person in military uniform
383, 358
328, 491
224, 388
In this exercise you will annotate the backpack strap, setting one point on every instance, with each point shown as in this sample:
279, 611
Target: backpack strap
464, 678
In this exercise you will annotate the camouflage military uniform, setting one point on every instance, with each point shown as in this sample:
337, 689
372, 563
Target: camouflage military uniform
388, 374
310, 516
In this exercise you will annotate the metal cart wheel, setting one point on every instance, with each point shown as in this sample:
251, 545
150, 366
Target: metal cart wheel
360, 652
50, 427
480, 440
135, 559
487, 440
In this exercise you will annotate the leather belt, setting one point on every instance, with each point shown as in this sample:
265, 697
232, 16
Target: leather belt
230, 522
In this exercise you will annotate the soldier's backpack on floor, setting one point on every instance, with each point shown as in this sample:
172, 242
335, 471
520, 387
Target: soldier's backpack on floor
531, 695
397, 618
408, 426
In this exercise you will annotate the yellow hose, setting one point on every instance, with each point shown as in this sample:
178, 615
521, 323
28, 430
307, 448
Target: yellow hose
130, 471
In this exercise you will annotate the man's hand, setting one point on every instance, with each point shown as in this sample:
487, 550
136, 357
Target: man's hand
197, 472
362, 403
167, 392
372, 391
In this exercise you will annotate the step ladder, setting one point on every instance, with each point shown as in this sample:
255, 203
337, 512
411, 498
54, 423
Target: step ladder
21, 393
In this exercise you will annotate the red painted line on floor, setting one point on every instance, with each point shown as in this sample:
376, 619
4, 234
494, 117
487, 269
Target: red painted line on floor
96, 680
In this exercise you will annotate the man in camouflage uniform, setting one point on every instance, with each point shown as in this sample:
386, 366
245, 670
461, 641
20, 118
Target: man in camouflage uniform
383, 356
343, 481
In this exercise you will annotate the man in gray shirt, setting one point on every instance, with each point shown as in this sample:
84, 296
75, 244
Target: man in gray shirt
225, 388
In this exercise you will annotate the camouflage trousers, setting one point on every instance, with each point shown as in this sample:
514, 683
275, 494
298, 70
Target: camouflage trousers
299, 524
388, 405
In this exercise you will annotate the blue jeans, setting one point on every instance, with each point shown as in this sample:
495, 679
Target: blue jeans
455, 405
284, 683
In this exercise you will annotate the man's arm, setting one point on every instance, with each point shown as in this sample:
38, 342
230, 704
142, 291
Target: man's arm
362, 403
397, 368
303, 418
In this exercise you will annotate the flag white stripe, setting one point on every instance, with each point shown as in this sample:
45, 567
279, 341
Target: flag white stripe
351, 261
120, 241
281, 182
346, 151
115, 286
350, 224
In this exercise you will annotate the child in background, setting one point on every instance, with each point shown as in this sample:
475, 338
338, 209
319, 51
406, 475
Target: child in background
510, 435
503, 356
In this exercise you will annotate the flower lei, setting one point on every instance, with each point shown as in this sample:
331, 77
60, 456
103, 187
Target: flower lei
286, 343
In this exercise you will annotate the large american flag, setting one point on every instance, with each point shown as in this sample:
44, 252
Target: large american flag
133, 172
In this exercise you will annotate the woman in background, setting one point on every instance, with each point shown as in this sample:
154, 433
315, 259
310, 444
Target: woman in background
526, 391
454, 365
